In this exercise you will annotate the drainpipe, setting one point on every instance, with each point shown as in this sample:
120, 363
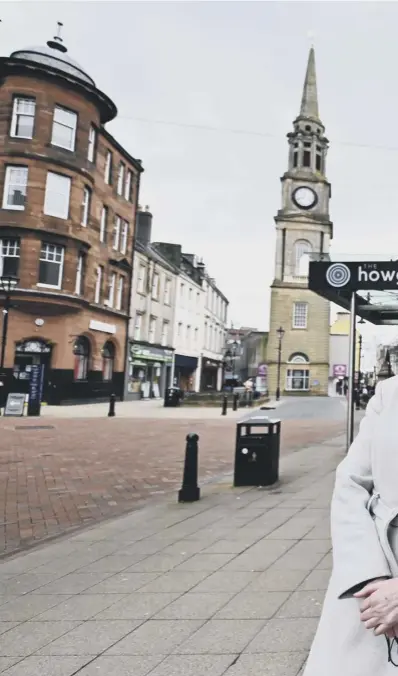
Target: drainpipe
130, 287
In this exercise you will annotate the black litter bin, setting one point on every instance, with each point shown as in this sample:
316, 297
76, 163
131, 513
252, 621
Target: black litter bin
257, 451
173, 396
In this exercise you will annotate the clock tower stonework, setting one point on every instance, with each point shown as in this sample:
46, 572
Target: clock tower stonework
303, 228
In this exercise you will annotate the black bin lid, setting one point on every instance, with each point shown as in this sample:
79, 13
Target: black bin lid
258, 421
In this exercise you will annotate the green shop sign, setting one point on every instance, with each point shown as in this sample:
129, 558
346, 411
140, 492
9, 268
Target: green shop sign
151, 354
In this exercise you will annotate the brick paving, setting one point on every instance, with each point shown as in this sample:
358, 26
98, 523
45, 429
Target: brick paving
70, 473
231, 585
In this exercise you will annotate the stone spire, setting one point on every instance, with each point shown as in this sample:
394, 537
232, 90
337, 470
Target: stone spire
309, 101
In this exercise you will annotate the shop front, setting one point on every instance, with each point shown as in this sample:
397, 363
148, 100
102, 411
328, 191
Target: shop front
211, 380
149, 371
185, 372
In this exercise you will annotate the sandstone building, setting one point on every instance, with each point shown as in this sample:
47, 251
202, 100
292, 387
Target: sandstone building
69, 193
303, 228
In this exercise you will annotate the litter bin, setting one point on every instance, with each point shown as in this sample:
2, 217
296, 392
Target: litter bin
173, 396
257, 451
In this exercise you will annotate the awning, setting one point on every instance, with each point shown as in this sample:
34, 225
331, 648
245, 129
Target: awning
184, 362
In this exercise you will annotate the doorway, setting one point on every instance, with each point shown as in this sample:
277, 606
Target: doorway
27, 354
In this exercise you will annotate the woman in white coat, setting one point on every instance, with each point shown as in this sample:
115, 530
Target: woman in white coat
359, 622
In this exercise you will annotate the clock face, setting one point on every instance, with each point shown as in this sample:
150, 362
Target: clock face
304, 198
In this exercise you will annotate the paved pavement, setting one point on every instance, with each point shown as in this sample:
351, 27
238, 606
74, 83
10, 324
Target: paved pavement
58, 474
228, 586
332, 408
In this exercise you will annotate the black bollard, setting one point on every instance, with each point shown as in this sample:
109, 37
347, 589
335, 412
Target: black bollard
224, 405
250, 394
190, 491
235, 402
112, 401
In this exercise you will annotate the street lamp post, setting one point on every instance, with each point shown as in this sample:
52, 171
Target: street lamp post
358, 388
7, 286
281, 333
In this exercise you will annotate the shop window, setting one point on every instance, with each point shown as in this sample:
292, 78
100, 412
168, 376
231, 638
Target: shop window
298, 380
108, 360
81, 351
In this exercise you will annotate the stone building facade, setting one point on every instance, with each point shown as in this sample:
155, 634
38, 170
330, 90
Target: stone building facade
303, 229
69, 193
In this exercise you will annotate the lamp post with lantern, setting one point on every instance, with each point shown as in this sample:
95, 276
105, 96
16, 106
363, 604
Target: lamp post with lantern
281, 333
8, 284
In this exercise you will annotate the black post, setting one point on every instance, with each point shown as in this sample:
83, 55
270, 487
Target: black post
235, 402
112, 401
224, 405
278, 377
190, 491
4, 332
250, 393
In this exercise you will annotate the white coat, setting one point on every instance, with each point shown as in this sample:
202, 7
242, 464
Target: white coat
365, 544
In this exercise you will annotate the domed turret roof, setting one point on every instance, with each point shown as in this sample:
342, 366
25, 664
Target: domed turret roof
54, 54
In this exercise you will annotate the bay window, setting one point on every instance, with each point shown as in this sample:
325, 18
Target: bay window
56, 199
9, 257
64, 128
51, 265
23, 117
15, 187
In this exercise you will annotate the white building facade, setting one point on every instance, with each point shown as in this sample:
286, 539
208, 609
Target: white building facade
188, 334
152, 309
214, 336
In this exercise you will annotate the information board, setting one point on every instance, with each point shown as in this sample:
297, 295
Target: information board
35, 389
15, 404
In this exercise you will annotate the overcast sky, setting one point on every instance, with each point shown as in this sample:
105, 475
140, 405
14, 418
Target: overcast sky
176, 69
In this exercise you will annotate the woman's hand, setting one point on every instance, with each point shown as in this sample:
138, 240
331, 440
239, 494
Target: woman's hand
379, 609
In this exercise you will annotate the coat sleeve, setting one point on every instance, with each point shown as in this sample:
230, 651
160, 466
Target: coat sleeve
357, 553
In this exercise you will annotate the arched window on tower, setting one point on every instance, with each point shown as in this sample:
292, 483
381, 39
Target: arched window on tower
302, 251
318, 158
307, 154
81, 350
295, 155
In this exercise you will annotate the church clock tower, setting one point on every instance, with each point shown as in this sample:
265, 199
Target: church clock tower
303, 228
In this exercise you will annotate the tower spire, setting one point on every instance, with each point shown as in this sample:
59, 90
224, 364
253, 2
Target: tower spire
309, 100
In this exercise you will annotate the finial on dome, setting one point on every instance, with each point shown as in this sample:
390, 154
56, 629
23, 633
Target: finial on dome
57, 42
